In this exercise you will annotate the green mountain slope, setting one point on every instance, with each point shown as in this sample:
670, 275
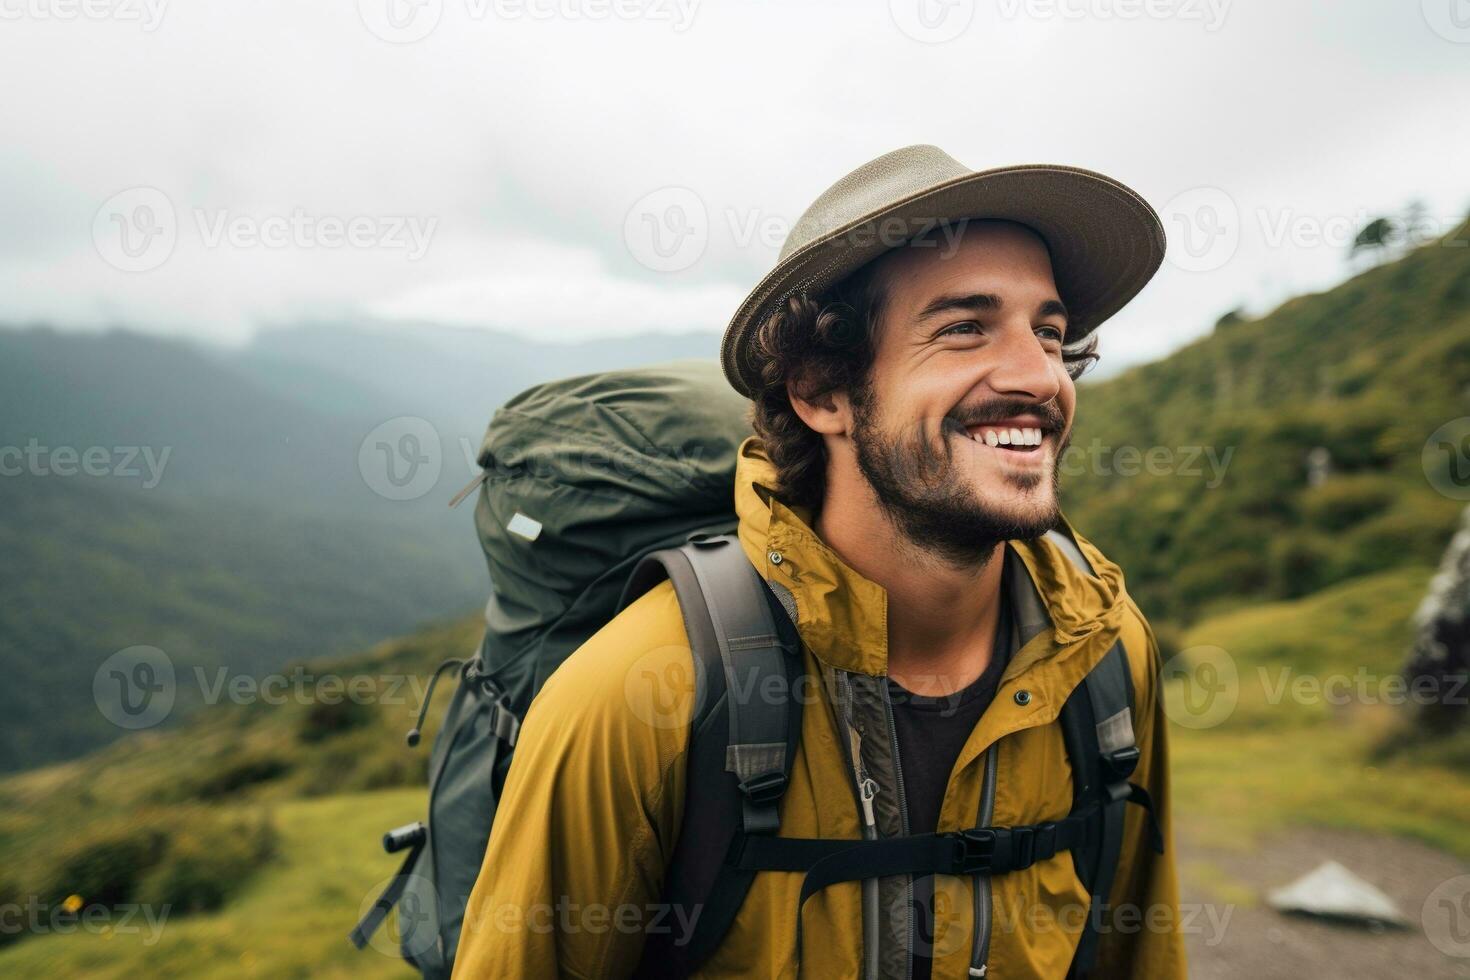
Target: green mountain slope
230, 519
1367, 371
89, 571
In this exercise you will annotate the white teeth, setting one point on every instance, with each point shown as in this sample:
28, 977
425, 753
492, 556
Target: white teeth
1028, 436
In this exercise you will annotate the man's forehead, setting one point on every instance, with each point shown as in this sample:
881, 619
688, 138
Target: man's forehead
999, 258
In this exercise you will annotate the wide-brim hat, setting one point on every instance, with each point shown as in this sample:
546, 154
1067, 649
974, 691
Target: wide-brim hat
1105, 240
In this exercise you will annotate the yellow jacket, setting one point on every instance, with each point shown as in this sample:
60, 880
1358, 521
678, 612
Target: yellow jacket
593, 802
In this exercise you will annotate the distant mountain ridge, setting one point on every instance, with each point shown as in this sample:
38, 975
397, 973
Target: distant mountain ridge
229, 506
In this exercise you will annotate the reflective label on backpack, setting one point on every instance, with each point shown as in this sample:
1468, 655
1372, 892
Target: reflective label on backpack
527, 527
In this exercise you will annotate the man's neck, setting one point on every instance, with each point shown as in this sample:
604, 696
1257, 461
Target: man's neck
941, 617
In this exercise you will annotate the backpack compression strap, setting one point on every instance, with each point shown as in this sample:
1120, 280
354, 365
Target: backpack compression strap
1097, 725
743, 736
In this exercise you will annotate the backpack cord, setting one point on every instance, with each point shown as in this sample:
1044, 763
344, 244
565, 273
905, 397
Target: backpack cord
412, 738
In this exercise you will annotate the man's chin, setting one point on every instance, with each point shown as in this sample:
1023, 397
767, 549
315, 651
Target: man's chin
1027, 507
1025, 522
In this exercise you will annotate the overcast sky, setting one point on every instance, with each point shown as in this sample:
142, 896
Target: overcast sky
568, 168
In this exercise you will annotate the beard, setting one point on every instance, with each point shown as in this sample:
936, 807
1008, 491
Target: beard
930, 500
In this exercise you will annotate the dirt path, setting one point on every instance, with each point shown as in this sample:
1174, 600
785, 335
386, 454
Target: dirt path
1261, 944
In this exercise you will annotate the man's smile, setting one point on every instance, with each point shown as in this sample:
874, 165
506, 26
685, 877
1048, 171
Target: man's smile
1019, 439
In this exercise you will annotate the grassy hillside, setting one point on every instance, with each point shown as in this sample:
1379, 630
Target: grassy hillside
325, 780
1366, 371
290, 920
254, 827
1310, 731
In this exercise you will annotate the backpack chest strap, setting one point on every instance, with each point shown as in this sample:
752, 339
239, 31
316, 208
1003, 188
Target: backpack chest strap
977, 851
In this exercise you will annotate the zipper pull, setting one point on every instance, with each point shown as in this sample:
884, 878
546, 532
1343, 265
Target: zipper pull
869, 789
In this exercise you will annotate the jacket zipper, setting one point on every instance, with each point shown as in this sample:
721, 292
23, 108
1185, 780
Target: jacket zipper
978, 965
903, 815
867, 789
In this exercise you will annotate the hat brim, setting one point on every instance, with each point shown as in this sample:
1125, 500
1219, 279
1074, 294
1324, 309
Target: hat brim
1105, 241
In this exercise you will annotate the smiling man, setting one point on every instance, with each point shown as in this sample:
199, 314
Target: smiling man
978, 786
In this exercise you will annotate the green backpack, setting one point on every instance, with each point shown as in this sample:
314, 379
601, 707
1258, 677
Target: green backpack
592, 491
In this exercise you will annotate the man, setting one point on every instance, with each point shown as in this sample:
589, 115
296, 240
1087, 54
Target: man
911, 362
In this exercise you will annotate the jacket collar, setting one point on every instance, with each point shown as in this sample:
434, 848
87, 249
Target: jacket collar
843, 616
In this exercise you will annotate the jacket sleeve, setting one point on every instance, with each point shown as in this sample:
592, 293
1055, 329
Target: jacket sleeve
1142, 936
591, 806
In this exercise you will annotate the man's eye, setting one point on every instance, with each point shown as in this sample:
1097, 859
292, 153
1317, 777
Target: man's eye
968, 326
1054, 334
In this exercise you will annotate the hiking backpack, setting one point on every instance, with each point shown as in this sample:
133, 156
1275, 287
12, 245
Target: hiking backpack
594, 490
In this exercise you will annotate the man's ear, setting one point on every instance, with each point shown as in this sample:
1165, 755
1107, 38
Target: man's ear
828, 414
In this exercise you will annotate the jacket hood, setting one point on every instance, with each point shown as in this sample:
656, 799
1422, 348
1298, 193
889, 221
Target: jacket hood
843, 616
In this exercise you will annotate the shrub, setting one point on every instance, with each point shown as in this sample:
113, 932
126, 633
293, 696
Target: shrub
325, 719
1344, 501
1300, 564
238, 773
1402, 536
105, 869
11, 897
208, 860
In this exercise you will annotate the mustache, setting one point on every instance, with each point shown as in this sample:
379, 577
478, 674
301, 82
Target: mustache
965, 416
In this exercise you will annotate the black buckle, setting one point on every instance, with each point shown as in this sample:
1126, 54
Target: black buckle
997, 850
765, 788
973, 851
1120, 764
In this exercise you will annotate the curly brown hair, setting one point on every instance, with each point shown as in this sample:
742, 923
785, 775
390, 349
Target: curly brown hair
826, 343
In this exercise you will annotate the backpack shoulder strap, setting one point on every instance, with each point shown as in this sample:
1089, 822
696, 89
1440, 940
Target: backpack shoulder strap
1097, 725
742, 738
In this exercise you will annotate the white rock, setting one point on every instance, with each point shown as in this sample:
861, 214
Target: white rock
1335, 892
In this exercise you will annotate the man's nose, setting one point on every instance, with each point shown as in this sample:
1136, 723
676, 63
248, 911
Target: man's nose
1023, 368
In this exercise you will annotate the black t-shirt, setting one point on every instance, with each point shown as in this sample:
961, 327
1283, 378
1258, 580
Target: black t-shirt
931, 733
